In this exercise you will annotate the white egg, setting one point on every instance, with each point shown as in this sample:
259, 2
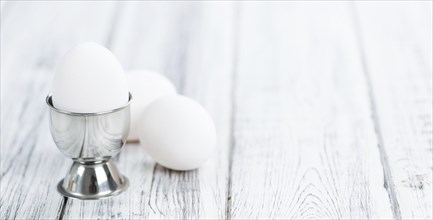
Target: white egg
146, 87
177, 132
89, 79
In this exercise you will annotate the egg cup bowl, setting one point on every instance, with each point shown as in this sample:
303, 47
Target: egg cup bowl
90, 140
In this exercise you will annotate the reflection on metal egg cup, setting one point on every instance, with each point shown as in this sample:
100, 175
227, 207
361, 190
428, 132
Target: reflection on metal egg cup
91, 140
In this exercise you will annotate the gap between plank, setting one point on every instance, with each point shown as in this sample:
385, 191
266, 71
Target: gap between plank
232, 141
387, 175
114, 25
62, 208
4, 13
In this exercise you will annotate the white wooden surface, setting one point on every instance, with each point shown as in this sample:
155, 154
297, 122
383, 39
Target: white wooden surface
397, 51
323, 109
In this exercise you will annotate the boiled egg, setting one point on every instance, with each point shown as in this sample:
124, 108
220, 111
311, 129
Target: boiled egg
89, 79
177, 132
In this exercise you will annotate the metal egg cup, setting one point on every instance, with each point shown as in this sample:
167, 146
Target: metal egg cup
91, 140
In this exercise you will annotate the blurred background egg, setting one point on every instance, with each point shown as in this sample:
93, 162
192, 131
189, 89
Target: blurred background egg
177, 132
146, 87
89, 79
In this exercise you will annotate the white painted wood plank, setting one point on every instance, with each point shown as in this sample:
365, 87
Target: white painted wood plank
192, 44
34, 35
397, 43
305, 145
2, 6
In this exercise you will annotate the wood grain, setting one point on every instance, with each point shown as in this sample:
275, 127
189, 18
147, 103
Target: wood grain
305, 146
323, 109
192, 44
33, 37
397, 48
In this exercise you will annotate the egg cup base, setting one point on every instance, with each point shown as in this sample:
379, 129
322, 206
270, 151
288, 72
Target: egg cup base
102, 180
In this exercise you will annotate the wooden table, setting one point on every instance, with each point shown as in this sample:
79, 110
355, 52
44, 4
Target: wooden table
323, 109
